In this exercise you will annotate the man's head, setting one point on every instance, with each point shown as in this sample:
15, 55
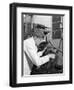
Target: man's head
38, 36
37, 32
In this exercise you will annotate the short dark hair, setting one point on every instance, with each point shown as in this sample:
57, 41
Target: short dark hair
35, 33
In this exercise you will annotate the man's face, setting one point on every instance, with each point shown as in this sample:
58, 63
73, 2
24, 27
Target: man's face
38, 36
38, 40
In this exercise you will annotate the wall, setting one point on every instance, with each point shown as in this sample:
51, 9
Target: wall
44, 20
4, 44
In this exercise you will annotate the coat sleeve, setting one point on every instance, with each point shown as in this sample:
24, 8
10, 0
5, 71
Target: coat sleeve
31, 51
35, 57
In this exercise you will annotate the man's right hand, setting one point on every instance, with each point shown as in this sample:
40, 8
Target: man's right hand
52, 56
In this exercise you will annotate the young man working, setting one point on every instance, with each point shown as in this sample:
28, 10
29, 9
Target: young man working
30, 49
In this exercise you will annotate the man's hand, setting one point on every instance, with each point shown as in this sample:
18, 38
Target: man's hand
52, 56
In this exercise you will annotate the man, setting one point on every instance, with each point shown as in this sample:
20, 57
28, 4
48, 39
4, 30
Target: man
30, 50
